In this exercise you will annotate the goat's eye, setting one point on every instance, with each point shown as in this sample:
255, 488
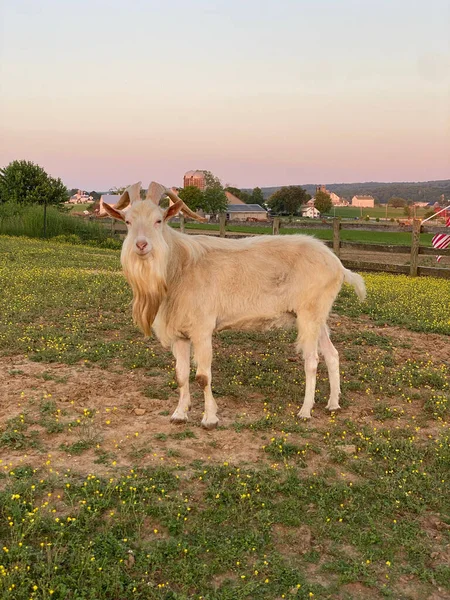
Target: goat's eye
159, 221
128, 222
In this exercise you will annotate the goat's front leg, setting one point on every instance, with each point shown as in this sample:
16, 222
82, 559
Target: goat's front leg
182, 351
203, 358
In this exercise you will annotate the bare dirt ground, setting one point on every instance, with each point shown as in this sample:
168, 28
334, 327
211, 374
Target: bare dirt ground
112, 415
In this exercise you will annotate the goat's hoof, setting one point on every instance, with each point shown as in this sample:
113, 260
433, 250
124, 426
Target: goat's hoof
333, 406
304, 414
177, 418
210, 423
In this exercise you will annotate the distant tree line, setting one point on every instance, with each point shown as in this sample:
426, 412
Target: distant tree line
253, 197
425, 191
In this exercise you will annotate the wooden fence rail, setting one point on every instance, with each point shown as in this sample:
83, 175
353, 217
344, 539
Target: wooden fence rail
414, 249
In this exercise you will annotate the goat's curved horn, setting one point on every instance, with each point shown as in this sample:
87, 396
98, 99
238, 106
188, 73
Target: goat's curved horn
184, 208
130, 195
155, 192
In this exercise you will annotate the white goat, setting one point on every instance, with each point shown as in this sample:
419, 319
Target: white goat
188, 287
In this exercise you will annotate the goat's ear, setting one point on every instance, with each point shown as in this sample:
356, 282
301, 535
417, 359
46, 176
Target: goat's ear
173, 210
114, 213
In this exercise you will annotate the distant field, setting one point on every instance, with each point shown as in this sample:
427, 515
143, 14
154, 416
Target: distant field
349, 235
80, 207
351, 212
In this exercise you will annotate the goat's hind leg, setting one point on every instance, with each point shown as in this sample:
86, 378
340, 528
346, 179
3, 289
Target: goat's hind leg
182, 351
331, 357
308, 334
203, 358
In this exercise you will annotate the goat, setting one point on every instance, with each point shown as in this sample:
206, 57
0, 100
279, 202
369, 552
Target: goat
186, 288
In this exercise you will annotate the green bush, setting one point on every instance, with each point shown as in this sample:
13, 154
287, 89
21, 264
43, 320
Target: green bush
28, 220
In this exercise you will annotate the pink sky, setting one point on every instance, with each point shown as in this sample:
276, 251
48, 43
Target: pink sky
258, 93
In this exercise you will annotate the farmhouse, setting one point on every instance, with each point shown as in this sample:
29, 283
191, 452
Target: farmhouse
311, 212
246, 212
364, 201
80, 197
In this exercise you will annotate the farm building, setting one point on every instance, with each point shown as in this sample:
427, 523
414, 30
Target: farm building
246, 212
232, 199
195, 178
310, 212
364, 201
80, 197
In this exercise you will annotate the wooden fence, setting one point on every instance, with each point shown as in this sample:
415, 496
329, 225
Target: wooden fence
414, 249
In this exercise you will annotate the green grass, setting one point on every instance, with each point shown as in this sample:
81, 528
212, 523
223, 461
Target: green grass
350, 212
79, 207
350, 235
28, 220
354, 235
309, 510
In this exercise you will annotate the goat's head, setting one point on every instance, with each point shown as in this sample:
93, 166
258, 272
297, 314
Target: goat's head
145, 219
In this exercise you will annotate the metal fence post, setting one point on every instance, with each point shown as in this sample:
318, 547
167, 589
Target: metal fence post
415, 242
181, 223
337, 236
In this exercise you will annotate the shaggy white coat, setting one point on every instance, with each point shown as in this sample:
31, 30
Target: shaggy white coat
187, 287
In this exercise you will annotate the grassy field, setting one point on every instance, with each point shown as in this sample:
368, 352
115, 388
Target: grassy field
28, 220
351, 235
350, 212
101, 498
79, 207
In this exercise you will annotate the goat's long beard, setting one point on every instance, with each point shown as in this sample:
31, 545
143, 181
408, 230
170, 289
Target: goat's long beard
148, 282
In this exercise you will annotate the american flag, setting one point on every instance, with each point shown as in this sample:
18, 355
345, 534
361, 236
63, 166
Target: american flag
441, 240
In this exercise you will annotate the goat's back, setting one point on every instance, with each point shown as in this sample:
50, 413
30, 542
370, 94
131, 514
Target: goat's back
255, 280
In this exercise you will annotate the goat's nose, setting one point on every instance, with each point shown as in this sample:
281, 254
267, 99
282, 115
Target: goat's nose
141, 244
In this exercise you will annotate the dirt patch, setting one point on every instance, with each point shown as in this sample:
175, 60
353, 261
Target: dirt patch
92, 419
101, 405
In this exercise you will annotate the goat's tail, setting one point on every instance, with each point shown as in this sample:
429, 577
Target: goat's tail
357, 282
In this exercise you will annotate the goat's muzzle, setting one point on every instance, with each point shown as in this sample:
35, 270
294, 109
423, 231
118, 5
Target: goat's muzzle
142, 247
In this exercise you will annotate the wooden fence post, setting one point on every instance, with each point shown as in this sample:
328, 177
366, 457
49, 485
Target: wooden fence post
415, 242
222, 223
181, 223
276, 226
337, 236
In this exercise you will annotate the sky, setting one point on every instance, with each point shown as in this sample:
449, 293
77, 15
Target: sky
104, 93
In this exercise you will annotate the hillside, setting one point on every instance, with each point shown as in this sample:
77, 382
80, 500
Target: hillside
422, 191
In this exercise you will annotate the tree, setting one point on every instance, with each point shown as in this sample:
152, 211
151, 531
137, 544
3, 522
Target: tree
241, 194
192, 196
323, 202
288, 199
24, 182
211, 180
117, 191
397, 202
233, 190
215, 200
257, 196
